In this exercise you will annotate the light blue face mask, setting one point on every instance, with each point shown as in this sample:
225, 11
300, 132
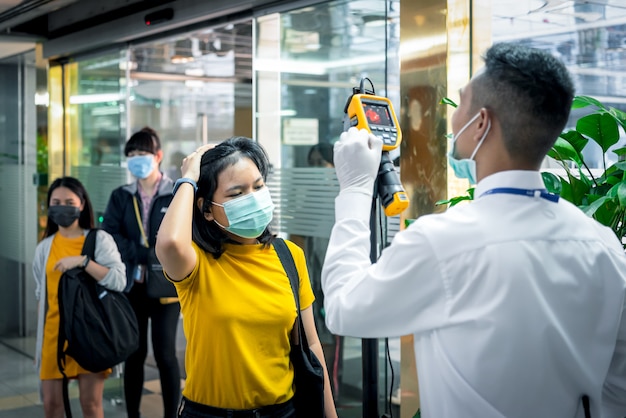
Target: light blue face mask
248, 215
466, 168
140, 166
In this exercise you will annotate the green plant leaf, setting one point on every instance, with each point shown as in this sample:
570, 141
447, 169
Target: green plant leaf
601, 127
619, 115
620, 151
579, 190
562, 151
575, 139
607, 214
448, 101
591, 209
621, 165
612, 180
457, 199
566, 192
621, 193
552, 182
453, 200
584, 101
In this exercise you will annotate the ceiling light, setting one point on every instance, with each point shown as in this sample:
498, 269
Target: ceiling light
95, 98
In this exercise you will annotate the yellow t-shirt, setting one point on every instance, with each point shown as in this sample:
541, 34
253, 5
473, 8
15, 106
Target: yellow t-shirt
238, 312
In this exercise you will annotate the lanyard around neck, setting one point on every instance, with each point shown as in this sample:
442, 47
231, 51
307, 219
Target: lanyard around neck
536, 193
144, 239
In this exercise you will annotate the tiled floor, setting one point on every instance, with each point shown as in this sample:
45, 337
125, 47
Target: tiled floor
19, 385
19, 390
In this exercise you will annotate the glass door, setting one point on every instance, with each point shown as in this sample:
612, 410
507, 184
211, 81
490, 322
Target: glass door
307, 61
87, 124
18, 214
193, 88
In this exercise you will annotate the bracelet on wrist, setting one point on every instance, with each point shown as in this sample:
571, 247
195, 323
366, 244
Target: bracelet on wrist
184, 180
86, 260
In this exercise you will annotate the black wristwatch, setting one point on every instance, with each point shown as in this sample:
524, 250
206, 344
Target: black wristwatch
85, 262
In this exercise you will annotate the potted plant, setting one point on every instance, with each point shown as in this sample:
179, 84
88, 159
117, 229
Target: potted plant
600, 193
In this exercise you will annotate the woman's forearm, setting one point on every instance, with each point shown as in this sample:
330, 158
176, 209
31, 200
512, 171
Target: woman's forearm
173, 245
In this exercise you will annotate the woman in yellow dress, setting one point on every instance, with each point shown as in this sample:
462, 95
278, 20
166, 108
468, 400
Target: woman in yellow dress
70, 217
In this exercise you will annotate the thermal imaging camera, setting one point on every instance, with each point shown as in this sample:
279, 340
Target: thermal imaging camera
365, 110
375, 114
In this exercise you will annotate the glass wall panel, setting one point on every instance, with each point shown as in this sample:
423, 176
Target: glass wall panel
307, 62
193, 88
93, 125
590, 38
18, 215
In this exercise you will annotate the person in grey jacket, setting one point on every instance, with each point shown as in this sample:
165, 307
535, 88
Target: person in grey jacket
70, 217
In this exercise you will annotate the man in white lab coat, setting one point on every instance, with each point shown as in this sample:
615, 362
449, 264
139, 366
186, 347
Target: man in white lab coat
516, 300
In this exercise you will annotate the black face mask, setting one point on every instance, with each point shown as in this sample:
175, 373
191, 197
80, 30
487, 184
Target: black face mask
63, 215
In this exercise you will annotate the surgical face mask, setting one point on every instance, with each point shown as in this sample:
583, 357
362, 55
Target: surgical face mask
248, 215
141, 166
63, 215
466, 168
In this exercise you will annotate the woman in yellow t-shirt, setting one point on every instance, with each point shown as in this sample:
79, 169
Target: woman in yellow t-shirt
236, 299
70, 217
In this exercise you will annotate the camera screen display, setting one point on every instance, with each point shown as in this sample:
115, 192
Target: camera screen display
377, 114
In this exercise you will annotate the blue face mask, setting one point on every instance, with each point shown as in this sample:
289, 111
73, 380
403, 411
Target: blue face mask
248, 215
466, 168
141, 166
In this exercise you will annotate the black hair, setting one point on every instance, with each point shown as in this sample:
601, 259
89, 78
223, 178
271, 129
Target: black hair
325, 149
145, 140
207, 235
86, 219
530, 92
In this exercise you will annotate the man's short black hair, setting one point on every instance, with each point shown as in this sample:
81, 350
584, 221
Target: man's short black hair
530, 92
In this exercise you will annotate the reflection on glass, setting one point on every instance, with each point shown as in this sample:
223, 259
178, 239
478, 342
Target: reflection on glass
193, 88
96, 106
590, 38
311, 59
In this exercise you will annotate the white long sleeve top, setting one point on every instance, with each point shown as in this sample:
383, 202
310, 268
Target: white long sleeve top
516, 303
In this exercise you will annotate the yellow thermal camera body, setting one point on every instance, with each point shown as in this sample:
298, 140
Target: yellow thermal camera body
376, 114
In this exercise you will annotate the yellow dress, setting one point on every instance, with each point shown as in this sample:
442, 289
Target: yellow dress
61, 247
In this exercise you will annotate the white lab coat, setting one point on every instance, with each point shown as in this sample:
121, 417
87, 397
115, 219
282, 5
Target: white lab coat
516, 303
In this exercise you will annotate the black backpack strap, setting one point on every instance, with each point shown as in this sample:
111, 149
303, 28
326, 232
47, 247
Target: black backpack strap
290, 268
89, 248
294, 279
586, 408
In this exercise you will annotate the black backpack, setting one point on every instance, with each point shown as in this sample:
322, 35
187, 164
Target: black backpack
98, 324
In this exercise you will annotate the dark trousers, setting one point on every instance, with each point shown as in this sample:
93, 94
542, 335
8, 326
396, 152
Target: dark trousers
164, 321
189, 409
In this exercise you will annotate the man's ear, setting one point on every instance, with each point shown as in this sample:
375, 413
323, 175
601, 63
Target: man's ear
484, 120
207, 215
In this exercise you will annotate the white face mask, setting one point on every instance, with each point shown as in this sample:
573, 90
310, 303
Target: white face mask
466, 168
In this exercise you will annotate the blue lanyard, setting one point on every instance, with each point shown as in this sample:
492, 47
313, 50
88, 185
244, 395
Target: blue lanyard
543, 193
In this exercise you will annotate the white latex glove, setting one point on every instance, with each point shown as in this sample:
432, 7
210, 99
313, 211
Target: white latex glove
357, 158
